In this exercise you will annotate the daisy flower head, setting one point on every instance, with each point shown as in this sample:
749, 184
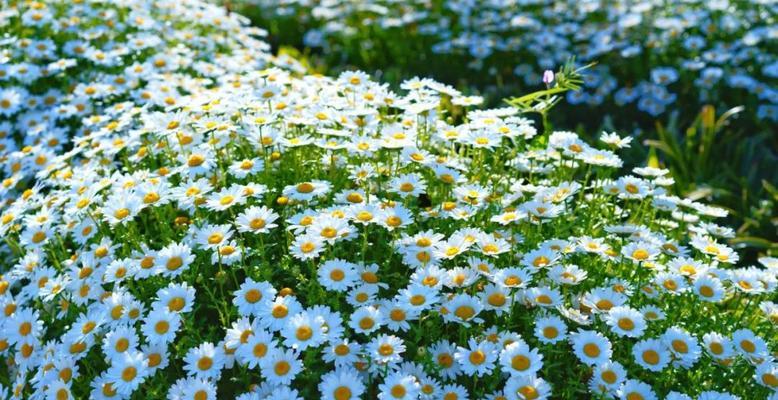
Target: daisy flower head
526, 387
213, 236
443, 355
749, 345
199, 389
544, 297
342, 352
256, 220
686, 266
59, 390
519, 359
160, 326
409, 185
274, 314
303, 330
366, 320
462, 309
513, 277
718, 346
609, 375
120, 340
482, 139
541, 258
397, 217
651, 354
199, 162
496, 298
640, 252
399, 386
255, 348
635, 389
23, 327
204, 361
330, 228
341, 385
157, 355
615, 140
550, 329
337, 275
450, 391
478, 358
177, 298
307, 191
248, 166
251, 295
307, 246
626, 321
591, 347
684, 347
281, 366
120, 209
174, 259
567, 274
386, 349
766, 374
630, 187
671, 283
127, 372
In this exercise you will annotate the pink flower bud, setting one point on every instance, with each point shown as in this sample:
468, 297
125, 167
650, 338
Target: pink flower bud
548, 77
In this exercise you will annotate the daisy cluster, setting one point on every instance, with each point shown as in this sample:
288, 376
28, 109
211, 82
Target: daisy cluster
66, 65
653, 55
280, 236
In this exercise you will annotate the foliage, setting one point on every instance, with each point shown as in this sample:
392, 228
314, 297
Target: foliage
696, 158
567, 79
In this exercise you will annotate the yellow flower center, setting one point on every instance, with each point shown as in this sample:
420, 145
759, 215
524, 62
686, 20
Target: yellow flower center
161, 327
280, 311
464, 312
129, 373
651, 357
626, 324
174, 263
257, 223
640, 255
591, 350
520, 363
398, 391
748, 346
305, 187
477, 357
282, 368
342, 393
121, 213
304, 333
550, 332
205, 363
253, 295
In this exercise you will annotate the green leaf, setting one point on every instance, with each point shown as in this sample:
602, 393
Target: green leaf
751, 241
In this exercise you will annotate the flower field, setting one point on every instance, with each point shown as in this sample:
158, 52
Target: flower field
652, 57
187, 214
661, 69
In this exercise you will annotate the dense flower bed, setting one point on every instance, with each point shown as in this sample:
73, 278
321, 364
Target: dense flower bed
65, 65
654, 56
278, 236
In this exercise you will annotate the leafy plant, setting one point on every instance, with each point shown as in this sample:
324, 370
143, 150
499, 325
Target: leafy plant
568, 78
713, 159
